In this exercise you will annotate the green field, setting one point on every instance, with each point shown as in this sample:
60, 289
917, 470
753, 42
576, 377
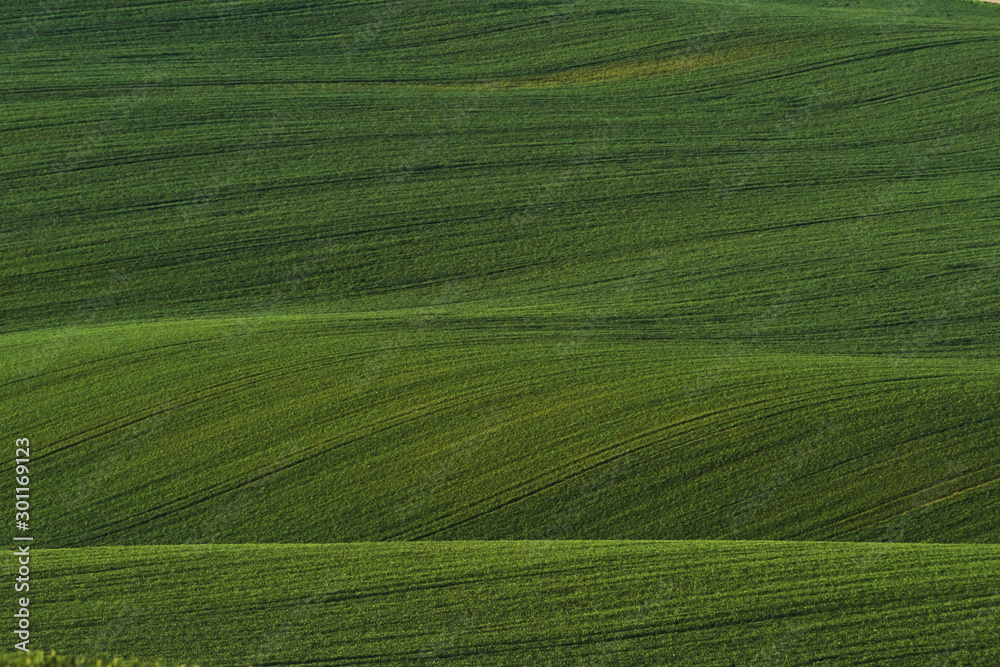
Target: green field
511, 333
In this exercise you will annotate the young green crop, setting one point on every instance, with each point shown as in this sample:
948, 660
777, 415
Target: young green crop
529, 272
543, 602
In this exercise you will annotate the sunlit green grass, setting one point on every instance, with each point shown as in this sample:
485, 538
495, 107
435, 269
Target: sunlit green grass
338, 431
493, 277
54, 659
832, 169
528, 602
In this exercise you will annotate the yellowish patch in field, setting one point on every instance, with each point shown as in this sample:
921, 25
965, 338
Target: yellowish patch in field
578, 75
613, 72
622, 71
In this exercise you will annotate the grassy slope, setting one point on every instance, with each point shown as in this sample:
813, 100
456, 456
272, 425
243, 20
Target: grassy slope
661, 275
529, 602
668, 443
823, 162
666, 258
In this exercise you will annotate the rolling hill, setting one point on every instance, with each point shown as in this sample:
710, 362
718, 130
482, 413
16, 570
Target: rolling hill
506, 313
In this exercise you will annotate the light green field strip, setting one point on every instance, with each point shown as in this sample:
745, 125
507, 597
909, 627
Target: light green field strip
427, 427
516, 603
824, 180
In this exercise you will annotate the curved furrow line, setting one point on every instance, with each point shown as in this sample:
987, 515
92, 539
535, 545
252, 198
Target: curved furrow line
965, 490
843, 462
52, 450
899, 499
846, 397
874, 55
137, 159
213, 492
548, 474
842, 534
222, 388
834, 63
927, 90
800, 398
361, 433
106, 359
